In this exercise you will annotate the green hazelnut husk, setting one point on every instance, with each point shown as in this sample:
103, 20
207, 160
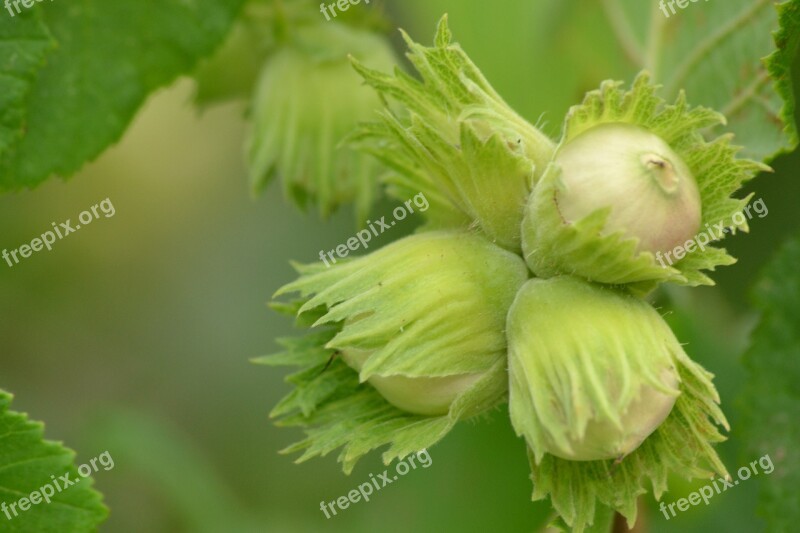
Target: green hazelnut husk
423, 319
592, 370
307, 100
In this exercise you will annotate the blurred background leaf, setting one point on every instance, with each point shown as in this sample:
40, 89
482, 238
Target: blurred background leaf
714, 52
156, 454
109, 57
771, 399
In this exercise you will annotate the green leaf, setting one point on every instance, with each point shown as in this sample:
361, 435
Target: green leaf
716, 54
24, 44
110, 56
27, 463
713, 50
771, 401
780, 63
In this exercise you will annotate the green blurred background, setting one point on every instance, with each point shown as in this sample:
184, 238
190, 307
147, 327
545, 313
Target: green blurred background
134, 334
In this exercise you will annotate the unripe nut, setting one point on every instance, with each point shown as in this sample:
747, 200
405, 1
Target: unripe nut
430, 396
652, 194
603, 440
592, 370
